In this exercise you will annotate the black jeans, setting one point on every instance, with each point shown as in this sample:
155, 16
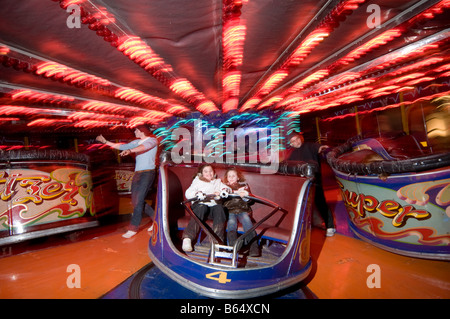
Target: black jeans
140, 186
202, 211
322, 206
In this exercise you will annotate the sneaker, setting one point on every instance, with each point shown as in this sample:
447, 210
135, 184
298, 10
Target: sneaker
129, 234
187, 246
330, 232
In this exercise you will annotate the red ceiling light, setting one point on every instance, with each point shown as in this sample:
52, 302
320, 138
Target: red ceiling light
64, 74
339, 79
206, 107
96, 123
136, 96
430, 13
420, 80
272, 82
354, 86
231, 82
28, 111
122, 111
391, 78
349, 99
109, 107
38, 97
230, 104
17, 62
399, 80
138, 120
249, 104
382, 39
305, 48
345, 8
66, 3
442, 75
324, 29
4, 50
79, 116
49, 122
417, 66
155, 114
108, 114
270, 101
233, 44
185, 89
404, 103
315, 77
177, 109
139, 52
8, 119
358, 91
141, 98
152, 117
443, 68
389, 87
69, 75
233, 35
301, 104
233, 39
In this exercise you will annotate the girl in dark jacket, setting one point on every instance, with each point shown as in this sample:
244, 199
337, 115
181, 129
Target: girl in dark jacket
239, 209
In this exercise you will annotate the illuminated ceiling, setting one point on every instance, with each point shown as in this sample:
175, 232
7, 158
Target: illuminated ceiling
107, 64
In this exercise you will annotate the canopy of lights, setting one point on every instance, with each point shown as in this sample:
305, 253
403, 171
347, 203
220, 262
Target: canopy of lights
83, 64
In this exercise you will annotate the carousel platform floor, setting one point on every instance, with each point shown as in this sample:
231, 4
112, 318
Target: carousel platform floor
41, 268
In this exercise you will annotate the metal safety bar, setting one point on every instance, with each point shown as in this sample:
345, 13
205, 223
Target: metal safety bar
202, 225
218, 248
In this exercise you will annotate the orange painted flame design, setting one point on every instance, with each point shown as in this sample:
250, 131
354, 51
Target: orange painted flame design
417, 193
18, 217
425, 235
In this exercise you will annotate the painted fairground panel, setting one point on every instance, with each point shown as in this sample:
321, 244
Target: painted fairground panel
105, 160
395, 174
123, 177
406, 213
39, 194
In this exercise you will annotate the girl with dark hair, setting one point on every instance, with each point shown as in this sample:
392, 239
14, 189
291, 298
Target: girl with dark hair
204, 183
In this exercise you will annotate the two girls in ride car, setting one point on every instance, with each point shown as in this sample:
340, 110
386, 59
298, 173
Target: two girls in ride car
205, 182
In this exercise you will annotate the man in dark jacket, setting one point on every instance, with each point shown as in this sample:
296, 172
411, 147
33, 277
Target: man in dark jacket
310, 152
